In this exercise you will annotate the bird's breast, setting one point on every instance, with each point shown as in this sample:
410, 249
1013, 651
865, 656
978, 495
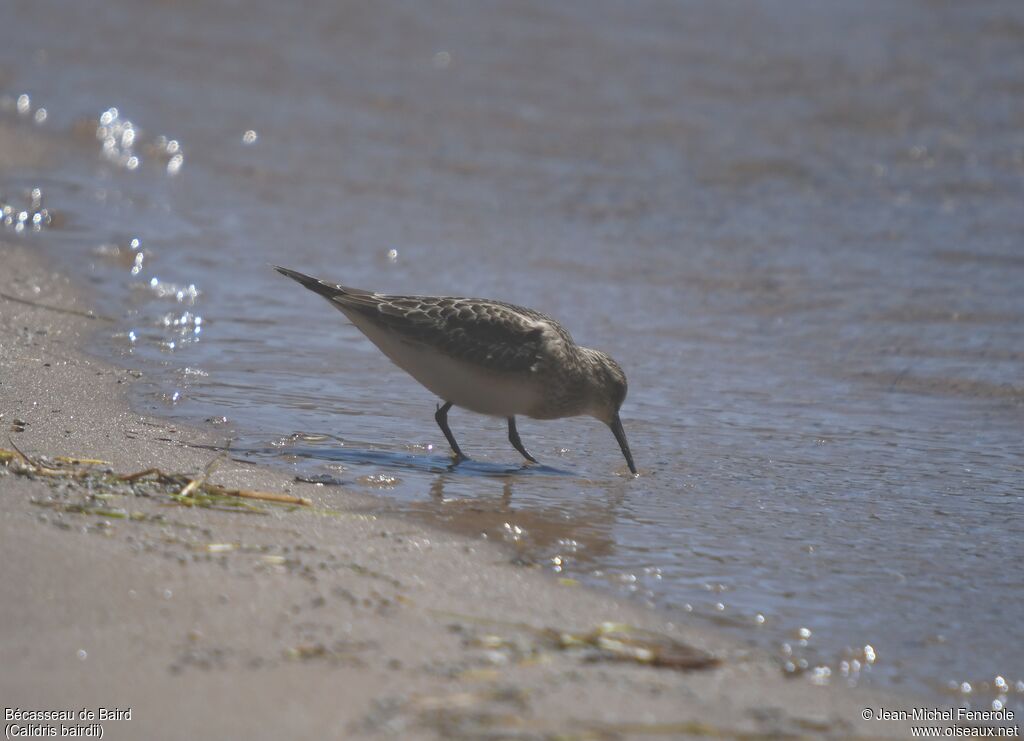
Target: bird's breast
465, 384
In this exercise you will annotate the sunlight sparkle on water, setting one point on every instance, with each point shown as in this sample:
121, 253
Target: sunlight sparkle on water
31, 214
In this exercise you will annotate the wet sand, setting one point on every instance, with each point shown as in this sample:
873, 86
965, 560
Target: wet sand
303, 624
795, 225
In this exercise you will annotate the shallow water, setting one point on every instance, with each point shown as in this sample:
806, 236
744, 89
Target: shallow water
797, 225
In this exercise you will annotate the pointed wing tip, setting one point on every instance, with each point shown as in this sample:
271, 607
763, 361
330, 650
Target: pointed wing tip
330, 291
288, 272
313, 284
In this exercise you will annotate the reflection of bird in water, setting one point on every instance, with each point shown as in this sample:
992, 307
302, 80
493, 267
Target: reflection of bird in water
486, 356
537, 528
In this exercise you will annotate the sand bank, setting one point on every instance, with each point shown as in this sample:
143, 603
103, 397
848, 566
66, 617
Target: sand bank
126, 607
307, 622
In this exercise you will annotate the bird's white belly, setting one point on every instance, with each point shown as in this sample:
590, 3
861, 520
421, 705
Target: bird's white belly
462, 383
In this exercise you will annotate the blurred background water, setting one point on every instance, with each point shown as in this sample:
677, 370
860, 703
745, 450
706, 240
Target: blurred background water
798, 225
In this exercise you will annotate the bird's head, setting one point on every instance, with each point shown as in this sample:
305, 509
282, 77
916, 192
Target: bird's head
606, 392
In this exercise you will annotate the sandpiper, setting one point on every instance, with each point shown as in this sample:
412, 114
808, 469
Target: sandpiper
487, 356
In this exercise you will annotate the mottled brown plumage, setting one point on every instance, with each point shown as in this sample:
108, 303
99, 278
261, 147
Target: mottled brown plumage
487, 356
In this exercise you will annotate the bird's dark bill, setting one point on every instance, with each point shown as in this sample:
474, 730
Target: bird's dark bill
620, 436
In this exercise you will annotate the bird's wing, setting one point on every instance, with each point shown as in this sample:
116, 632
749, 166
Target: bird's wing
491, 334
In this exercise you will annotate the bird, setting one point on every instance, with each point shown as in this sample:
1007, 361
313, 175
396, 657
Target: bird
490, 357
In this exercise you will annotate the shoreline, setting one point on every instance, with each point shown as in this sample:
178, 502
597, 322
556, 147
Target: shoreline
311, 621
798, 245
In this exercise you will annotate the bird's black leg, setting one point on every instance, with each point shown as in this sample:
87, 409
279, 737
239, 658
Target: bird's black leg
513, 437
442, 421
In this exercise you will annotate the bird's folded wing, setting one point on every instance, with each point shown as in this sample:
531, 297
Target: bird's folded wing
491, 334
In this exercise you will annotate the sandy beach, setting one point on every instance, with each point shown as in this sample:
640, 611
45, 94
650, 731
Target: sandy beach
794, 225
223, 514
322, 621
